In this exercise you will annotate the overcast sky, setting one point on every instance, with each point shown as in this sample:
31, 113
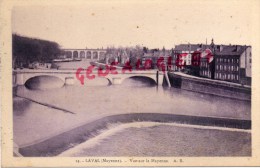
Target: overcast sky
149, 23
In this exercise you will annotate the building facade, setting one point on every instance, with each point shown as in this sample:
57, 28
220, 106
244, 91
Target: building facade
207, 63
187, 56
233, 64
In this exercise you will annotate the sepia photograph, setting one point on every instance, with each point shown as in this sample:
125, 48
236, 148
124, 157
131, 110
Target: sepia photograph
116, 83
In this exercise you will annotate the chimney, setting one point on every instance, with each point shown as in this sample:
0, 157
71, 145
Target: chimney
237, 47
221, 48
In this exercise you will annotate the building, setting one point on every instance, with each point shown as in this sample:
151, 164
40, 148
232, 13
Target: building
157, 59
207, 63
195, 63
186, 56
222, 62
233, 63
207, 68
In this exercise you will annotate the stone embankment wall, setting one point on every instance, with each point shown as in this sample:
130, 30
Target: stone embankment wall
209, 86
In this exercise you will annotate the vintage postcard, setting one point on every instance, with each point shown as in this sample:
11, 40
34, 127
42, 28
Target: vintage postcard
130, 83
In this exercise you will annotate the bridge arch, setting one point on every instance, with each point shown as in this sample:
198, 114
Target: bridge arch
82, 54
95, 55
68, 54
44, 82
21, 78
102, 55
142, 78
89, 54
41, 75
75, 54
116, 79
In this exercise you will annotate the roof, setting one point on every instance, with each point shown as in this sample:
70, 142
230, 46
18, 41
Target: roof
157, 54
225, 50
191, 47
229, 50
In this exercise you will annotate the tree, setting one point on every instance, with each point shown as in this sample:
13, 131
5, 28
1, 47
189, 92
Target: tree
27, 50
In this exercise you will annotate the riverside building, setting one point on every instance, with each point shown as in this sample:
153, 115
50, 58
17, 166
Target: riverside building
233, 63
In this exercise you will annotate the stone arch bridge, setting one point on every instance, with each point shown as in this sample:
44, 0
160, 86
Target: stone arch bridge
91, 54
69, 76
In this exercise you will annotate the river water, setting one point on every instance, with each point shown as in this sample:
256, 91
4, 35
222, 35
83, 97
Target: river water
91, 101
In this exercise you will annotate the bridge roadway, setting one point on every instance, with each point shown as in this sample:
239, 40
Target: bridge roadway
69, 76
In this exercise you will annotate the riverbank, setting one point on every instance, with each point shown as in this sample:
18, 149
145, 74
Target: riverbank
210, 86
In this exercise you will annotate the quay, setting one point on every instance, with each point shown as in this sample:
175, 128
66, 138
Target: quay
210, 86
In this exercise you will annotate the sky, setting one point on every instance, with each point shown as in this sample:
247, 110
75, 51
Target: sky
153, 24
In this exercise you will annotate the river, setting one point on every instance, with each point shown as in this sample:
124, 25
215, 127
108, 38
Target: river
33, 121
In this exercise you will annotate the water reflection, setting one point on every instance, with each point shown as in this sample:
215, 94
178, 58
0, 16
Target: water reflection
20, 106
